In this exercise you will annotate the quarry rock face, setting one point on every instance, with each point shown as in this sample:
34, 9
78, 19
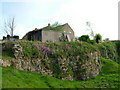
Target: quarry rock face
79, 67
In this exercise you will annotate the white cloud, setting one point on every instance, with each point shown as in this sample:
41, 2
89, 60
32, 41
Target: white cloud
102, 13
21, 31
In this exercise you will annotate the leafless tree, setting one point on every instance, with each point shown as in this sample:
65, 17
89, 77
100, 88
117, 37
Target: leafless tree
90, 29
10, 26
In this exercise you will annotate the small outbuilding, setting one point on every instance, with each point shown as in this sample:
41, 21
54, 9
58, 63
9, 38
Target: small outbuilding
56, 34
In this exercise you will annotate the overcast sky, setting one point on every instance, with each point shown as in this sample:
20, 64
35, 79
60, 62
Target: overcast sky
103, 15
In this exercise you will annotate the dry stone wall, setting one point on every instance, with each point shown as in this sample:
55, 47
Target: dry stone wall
79, 67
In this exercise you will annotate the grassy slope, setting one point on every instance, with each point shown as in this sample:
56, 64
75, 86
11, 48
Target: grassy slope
13, 78
109, 66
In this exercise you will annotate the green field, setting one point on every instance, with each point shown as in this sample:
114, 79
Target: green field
14, 78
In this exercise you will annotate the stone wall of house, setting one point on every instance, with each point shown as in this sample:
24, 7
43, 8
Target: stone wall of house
79, 67
50, 35
68, 30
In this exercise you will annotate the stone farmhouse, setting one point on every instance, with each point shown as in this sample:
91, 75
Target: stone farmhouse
65, 33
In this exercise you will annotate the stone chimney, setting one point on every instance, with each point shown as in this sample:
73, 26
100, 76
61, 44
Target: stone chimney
35, 29
48, 24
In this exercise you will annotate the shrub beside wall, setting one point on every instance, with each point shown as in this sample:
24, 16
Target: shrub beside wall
110, 50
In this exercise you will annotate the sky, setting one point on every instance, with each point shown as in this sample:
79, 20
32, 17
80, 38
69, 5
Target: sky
102, 14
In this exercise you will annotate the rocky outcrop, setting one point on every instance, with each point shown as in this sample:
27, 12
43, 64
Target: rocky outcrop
79, 67
18, 51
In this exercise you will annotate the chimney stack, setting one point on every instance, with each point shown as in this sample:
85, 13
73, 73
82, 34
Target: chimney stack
48, 24
35, 28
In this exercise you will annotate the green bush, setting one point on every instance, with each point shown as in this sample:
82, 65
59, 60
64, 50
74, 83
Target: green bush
84, 38
91, 42
98, 38
109, 50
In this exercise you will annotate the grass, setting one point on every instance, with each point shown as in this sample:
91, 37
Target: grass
14, 78
0, 78
109, 66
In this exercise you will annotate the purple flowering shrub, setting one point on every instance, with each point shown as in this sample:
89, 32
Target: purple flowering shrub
53, 50
44, 50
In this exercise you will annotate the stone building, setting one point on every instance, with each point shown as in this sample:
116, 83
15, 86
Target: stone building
65, 33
